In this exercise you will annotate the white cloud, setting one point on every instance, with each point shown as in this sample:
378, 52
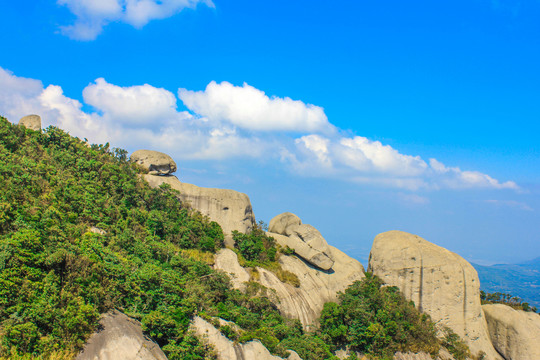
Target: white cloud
250, 108
361, 160
133, 105
231, 122
93, 15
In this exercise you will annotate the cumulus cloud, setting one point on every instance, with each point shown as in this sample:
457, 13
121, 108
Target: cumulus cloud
250, 108
226, 122
361, 160
142, 104
93, 15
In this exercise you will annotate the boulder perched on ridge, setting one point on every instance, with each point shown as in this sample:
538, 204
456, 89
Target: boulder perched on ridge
306, 241
32, 122
514, 333
230, 209
120, 338
440, 282
155, 162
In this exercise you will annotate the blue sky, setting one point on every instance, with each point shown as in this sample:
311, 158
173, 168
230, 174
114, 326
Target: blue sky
360, 117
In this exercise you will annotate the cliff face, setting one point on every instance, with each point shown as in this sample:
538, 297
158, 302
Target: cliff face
230, 209
514, 333
440, 282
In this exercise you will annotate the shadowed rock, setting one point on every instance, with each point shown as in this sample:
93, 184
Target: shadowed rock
440, 282
514, 333
32, 122
120, 338
155, 162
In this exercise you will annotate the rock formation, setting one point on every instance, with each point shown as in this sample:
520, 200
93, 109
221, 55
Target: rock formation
440, 282
155, 162
306, 241
514, 333
316, 287
227, 350
120, 338
32, 122
227, 260
230, 209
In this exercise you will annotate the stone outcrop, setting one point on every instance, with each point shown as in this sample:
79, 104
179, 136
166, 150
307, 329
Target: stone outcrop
316, 287
120, 338
514, 333
440, 282
230, 209
155, 162
227, 260
228, 350
32, 122
306, 241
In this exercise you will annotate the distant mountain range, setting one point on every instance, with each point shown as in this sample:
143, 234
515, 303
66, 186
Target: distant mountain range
522, 280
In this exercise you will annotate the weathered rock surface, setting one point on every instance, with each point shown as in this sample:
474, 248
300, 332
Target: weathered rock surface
227, 260
120, 338
306, 241
514, 333
157, 163
440, 282
32, 122
316, 287
230, 209
227, 350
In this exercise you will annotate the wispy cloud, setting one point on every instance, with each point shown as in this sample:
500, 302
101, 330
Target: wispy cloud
226, 121
93, 15
510, 203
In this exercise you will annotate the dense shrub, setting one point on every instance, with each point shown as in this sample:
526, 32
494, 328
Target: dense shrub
377, 320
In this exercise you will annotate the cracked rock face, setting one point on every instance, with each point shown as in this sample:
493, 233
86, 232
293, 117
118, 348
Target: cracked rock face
32, 122
306, 241
230, 209
120, 338
440, 282
514, 333
157, 163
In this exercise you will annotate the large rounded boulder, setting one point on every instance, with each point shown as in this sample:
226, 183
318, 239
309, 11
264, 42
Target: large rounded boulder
32, 122
439, 282
155, 162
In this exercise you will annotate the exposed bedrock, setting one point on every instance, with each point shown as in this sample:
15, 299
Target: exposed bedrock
32, 122
155, 162
230, 209
306, 241
120, 338
228, 350
316, 287
514, 333
440, 282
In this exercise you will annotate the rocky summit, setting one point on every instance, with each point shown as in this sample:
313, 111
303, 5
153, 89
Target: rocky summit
32, 122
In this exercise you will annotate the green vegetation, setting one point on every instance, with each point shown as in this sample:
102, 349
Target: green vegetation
81, 233
377, 320
257, 249
507, 299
